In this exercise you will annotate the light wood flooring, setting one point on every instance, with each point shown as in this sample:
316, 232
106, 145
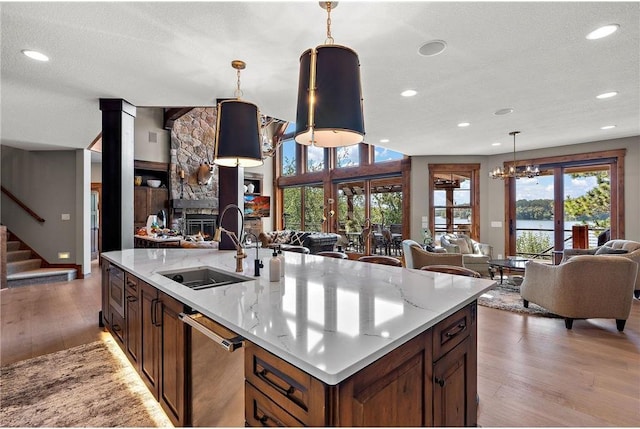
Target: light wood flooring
531, 370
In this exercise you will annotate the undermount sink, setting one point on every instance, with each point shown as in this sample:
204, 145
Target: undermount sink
204, 277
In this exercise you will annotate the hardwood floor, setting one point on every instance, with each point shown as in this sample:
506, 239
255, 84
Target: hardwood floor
531, 370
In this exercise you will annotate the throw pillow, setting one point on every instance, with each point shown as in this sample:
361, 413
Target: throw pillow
462, 245
282, 237
606, 250
298, 237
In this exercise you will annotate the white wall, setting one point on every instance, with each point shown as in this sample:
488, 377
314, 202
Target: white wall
492, 191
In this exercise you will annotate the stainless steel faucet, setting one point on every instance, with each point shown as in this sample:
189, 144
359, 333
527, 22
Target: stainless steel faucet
232, 235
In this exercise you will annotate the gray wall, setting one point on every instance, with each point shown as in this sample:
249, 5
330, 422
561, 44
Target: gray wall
150, 120
51, 183
492, 191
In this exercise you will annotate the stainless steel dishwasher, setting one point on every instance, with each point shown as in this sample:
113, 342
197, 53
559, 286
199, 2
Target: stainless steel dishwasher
215, 373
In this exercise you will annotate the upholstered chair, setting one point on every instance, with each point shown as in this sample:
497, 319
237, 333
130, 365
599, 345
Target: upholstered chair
476, 255
381, 259
332, 254
416, 257
450, 269
627, 248
584, 287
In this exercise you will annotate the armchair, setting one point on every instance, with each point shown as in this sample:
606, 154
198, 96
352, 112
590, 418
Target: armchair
416, 257
584, 287
475, 255
630, 248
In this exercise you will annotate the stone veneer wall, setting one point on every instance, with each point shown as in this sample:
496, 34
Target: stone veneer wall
192, 139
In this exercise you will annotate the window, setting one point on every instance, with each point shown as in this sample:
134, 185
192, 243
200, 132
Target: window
381, 154
289, 158
315, 159
584, 189
304, 208
454, 199
348, 156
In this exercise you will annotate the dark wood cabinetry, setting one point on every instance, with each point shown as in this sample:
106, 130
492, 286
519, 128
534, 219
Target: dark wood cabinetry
428, 381
146, 200
132, 319
150, 333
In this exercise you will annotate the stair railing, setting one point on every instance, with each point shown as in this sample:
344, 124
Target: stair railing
22, 205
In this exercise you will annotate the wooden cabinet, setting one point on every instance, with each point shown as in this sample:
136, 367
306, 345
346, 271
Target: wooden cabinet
428, 381
104, 310
149, 358
132, 319
163, 350
116, 304
455, 369
148, 201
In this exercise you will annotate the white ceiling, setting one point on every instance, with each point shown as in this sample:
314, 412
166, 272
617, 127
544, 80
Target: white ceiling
532, 57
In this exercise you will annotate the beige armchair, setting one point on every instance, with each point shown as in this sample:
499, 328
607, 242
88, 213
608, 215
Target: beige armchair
475, 255
632, 249
584, 287
416, 257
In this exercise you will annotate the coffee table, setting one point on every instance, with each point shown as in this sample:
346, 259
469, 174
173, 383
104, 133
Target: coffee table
511, 264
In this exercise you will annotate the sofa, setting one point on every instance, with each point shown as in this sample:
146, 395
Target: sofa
627, 248
475, 255
287, 239
583, 287
416, 257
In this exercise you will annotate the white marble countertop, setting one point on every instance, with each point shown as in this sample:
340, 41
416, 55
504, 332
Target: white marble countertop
329, 317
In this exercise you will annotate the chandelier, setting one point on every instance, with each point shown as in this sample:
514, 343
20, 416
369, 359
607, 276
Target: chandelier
514, 171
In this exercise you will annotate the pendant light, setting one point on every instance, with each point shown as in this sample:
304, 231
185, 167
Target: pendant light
238, 130
329, 110
528, 171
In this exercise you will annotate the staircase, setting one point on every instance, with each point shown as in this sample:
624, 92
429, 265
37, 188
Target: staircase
23, 269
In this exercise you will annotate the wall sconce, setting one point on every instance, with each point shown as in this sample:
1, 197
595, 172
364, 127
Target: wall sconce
238, 130
329, 110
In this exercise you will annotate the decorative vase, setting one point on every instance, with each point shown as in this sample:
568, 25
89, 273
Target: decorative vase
250, 188
137, 180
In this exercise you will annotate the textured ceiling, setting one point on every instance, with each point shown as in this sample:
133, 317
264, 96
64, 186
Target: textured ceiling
532, 57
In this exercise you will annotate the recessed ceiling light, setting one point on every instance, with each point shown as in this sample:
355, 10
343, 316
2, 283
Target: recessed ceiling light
409, 93
35, 55
607, 127
432, 48
496, 144
464, 124
384, 140
504, 111
603, 31
607, 95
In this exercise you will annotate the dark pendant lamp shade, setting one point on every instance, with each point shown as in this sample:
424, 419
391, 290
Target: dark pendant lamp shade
238, 135
329, 111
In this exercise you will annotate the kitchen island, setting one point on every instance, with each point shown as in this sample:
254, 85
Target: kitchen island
378, 345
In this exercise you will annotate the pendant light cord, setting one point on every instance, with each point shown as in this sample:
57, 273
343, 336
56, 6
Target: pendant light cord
238, 92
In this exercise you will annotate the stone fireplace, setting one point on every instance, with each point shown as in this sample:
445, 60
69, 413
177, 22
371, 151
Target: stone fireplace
192, 140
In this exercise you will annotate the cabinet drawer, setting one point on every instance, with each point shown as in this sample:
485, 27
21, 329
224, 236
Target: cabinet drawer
261, 411
117, 326
452, 331
131, 284
289, 387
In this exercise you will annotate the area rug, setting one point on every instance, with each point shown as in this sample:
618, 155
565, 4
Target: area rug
506, 296
86, 386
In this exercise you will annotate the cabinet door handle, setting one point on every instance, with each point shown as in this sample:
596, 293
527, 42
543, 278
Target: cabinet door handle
131, 284
285, 391
155, 311
440, 381
132, 298
460, 328
154, 301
